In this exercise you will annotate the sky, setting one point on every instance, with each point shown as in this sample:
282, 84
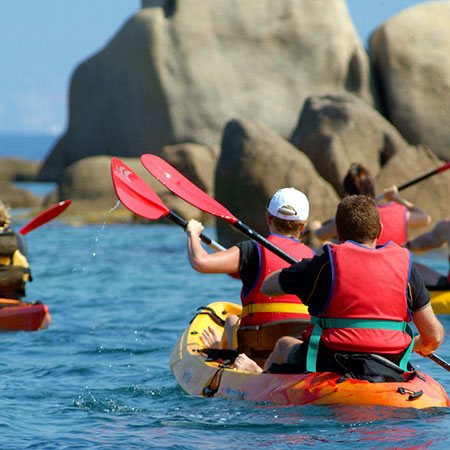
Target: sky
43, 41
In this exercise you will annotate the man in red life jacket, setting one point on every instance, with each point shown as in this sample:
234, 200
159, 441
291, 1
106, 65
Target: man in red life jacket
436, 237
397, 214
360, 297
287, 215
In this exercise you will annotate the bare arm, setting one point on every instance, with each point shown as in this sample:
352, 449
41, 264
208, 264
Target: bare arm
433, 239
202, 261
271, 285
430, 329
415, 217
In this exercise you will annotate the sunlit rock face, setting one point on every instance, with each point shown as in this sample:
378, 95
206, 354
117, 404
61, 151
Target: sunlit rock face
178, 71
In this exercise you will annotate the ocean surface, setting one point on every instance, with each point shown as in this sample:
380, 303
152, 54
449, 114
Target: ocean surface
120, 297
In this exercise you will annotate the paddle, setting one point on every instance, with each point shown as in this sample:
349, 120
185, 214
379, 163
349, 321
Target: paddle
183, 188
142, 200
45, 216
422, 177
437, 359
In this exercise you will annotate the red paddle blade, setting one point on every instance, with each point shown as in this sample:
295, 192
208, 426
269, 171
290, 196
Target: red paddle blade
134, 193
183, 188
444, 167
45, 216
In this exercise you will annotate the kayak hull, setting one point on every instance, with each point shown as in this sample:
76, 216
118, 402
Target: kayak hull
199, 377
440, 301
16, 315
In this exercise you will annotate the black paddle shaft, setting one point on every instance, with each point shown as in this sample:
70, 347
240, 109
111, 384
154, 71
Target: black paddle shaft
264, 242
183, 223
437, 359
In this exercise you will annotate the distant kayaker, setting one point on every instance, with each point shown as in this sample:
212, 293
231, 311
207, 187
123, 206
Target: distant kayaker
360, 298
435, 238
397, 215
14, 267
287, 215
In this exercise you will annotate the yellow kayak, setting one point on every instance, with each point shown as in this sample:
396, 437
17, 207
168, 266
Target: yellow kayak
201, 375
440, 301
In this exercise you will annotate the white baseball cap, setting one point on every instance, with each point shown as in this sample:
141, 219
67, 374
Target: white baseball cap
289, 204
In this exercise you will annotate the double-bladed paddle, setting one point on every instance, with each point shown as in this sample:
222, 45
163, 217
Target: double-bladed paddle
45, 216
141, 199
185, 189
422, 177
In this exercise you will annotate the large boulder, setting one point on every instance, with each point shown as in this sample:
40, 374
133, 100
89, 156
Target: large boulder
18, 169
410, 54
337, 130
254, 163
14, 197
177, 74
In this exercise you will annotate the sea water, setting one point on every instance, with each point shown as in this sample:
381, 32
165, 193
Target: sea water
120, 297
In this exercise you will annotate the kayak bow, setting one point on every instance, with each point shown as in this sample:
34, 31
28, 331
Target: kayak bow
16, 315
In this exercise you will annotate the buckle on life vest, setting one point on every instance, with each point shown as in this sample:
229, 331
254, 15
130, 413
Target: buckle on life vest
274, 307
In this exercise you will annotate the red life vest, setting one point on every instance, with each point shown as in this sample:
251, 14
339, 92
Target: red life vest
393, 218
276, 308
370, 285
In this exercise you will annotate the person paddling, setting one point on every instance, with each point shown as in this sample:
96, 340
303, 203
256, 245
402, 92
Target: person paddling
287, 215
434, 238
397, 215
361, 298
14, 267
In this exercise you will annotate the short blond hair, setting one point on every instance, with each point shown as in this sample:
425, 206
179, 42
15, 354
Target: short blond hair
287, 226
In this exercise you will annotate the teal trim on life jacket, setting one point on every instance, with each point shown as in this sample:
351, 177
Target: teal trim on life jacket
321, 323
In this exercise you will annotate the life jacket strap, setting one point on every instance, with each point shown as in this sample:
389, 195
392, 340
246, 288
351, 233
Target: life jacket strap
321, 323
275, 307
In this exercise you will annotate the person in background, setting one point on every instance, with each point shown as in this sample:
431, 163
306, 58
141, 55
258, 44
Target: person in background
14, 267
287, 214
434, 238
397, 215
361, 298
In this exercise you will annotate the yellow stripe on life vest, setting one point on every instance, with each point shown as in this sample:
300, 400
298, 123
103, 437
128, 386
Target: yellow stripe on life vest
293, 308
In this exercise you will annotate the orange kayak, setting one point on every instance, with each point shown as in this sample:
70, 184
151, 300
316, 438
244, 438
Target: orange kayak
202, 377
16, 315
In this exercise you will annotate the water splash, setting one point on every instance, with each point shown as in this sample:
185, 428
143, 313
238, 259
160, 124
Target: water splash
114, 207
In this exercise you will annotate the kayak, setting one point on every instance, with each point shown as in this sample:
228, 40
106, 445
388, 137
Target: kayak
16, 315
199, 374
440, 301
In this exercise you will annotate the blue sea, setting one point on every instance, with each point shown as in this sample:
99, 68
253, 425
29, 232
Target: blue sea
120, 297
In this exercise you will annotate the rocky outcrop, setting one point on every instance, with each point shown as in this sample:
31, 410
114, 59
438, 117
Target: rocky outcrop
410, 53
14, 197
254, 163
168, 78
337, 130
18, 169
